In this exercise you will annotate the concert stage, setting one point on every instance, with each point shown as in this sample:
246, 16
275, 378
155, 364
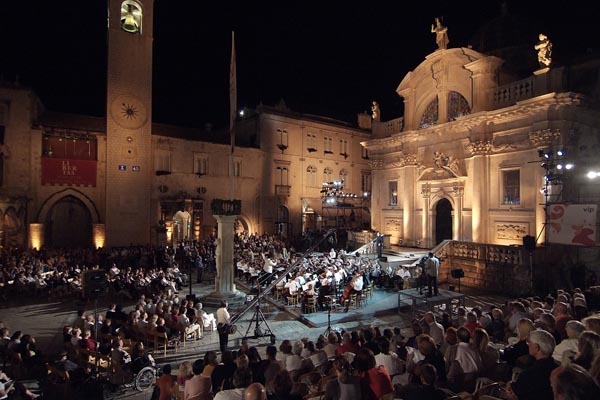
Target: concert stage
410, 299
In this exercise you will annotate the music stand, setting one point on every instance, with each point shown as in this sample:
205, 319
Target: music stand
329, 305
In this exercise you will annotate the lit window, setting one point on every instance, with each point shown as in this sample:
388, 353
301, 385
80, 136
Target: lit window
393, 193
311, 142
511, 187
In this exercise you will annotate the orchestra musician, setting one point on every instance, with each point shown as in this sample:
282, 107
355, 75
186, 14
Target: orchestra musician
355, 287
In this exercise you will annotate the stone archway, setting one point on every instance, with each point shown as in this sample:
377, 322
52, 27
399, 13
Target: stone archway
443, 220
68, 224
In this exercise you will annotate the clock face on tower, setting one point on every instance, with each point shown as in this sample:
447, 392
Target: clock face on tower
128, 112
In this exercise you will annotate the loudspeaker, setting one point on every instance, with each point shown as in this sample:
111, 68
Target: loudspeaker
457, 273
94, 284
384, 259
529, 242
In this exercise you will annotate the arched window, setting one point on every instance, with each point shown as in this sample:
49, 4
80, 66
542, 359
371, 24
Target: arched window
457, 106
131, 16
430, 116
311, 176
327, 174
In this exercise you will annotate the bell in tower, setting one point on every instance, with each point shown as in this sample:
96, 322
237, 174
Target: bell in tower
130, 18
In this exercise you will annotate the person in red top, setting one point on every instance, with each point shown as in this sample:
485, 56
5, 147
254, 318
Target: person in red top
472, 322
376, 379
87, 342
347, 345
165, 383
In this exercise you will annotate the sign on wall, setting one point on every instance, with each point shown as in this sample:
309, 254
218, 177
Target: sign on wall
573, 224
62, 171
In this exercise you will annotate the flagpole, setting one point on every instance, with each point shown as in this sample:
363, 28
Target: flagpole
232, 113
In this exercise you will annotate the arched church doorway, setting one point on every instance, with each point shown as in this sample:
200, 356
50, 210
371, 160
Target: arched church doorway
68, 224
443, 221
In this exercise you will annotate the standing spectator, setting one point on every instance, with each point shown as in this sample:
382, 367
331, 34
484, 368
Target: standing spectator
432, 268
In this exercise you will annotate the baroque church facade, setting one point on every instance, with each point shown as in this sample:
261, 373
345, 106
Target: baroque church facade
481, 153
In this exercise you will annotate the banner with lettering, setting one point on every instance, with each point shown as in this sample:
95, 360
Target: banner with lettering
62, 171
573, 224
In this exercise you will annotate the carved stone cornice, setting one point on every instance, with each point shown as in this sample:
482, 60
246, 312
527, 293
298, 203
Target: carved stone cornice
404, 161
426, 191
376, 163
480, 147
544, 137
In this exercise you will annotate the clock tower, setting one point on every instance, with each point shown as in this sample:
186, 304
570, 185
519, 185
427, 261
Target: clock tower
129, 164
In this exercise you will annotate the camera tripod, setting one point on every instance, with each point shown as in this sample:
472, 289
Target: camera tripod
257, 320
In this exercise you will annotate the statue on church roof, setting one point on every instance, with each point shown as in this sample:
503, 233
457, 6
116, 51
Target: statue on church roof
376, 113
544, 48
441, 34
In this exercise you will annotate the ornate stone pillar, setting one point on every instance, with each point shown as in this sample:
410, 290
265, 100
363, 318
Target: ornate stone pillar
479, 150
426, 239
225, 212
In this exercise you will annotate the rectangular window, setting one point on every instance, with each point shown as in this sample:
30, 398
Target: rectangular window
282, 139
511, 187
365, 182
201, 164
281, 180
311, 142
162, 161
63, 146
393, 193
365, 153
327, 145
344, 148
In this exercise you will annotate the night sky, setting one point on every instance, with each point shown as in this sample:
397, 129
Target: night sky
328, 58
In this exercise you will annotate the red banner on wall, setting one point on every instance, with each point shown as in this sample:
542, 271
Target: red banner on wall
61, 171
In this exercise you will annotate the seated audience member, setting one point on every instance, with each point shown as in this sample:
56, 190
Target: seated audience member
518, 353
387, 358
426, 389
282, 387
347, 385
376, 380
534, 382
573, 383
436, 330
570, 344
588, 345
199, 387
242, 378
496, 328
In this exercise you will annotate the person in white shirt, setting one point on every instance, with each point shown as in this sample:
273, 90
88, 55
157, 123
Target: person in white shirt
189, 327
223, 321
570, 345
436, 330
432, 268
467, 356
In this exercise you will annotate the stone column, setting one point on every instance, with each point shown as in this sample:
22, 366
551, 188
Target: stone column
224, 285
225, 212
426, 239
